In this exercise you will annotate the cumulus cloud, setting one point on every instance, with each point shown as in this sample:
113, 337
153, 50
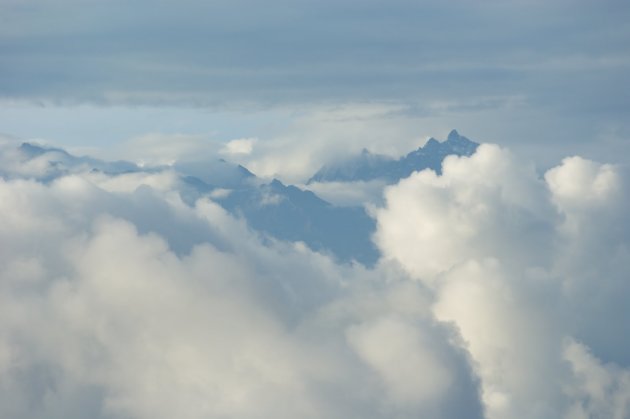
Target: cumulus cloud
118, 300
521, 264
500, 293
434, 222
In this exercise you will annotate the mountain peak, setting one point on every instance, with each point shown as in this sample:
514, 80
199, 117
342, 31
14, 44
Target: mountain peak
453, 135
367, 166
460, 145
431, 142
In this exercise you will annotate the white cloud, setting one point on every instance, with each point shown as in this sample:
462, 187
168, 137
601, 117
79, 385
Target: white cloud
497, 286
118, 300
239, 146
518, 264
581, 181
431, 223
422, 377
328, 133
598, 390
158, 148
349, 193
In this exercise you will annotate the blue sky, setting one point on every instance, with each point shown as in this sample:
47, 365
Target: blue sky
547, 78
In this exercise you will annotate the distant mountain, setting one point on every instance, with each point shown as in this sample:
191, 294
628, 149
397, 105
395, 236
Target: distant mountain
365, 166
219, 173
60, 162
273, 209
293, 214
368, 166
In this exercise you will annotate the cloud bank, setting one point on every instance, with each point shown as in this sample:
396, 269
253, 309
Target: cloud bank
120, 301
239, 69
532, 272
196, 52
499, 294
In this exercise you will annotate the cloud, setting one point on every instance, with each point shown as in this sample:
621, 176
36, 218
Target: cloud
405, 341
487, 68
500, 294
289, 52
349, 193
320, 134
599, 390
118, 300
239, 146
522, 264
166, 149
434, 222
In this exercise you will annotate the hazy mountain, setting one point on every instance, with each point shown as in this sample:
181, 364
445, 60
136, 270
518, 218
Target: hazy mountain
289, 213
219, 173
279, 211
368, 166
59, 161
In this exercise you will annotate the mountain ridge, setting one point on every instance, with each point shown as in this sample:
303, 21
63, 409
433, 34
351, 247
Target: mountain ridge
368, 166
271, 208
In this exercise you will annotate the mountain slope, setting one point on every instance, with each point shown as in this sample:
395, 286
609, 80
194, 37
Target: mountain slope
289, 213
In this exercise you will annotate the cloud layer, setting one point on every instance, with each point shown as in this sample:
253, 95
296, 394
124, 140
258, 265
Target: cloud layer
500, 294
280, 71
120, 301
241, 52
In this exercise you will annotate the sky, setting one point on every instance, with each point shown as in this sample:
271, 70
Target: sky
500, 287
546, 78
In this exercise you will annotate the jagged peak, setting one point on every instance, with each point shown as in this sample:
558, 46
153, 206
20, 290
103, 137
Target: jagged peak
455, 138
453, 135
431, 142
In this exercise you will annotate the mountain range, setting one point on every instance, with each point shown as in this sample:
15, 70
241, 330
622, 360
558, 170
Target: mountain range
273, 209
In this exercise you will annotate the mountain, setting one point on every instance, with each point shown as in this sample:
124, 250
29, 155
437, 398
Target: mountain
59, 162
365, 166
290, 213
273, 209
220, 173
286, 212
368, 166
